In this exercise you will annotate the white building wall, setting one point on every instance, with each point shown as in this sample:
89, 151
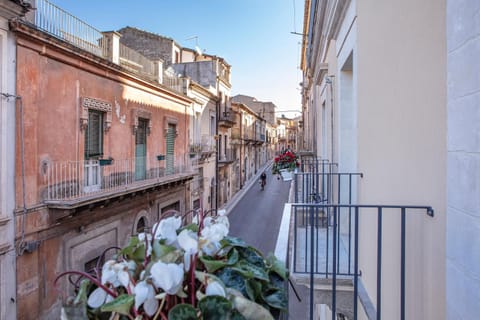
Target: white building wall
7, 170
463, 183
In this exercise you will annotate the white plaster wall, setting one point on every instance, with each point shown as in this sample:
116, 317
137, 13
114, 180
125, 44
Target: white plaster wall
463, 174
401, 96
7, 169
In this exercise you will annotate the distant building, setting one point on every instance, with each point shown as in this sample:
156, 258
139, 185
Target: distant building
11, 105
105, 147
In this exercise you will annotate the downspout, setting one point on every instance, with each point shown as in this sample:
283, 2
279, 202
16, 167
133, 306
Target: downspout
217, 109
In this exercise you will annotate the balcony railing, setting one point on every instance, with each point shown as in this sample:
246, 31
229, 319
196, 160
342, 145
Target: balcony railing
59, 23
68, 180
208, 144
325, 249
227, 156
226, 118
54, 20
136, 62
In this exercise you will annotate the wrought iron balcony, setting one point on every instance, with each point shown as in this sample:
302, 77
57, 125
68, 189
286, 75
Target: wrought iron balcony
226, 157
226, 119
69, 184
330, 238
57, 22
328, 244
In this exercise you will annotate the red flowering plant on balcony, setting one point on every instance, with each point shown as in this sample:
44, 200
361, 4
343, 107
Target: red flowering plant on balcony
287, 160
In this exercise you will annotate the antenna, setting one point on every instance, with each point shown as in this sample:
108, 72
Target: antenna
197, 48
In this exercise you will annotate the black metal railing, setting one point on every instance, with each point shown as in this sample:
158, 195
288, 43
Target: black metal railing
325, 187
315, 165
327, 256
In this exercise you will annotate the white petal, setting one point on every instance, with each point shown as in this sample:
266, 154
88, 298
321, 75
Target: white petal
214, 288
150, 306
141, 293
97, 298
124, 278
188, 241
167, 229
167, 276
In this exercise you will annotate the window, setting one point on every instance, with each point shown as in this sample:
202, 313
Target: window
94, 134
213, 129
90, 266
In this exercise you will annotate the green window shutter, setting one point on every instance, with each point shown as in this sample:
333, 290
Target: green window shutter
170, 148
94, 134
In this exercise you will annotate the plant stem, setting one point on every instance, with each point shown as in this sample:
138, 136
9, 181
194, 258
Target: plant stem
89, 277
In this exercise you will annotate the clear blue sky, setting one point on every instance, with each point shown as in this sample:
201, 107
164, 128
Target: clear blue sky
253, 36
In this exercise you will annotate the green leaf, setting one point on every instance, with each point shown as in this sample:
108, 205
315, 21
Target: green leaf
235, 315
82, 293
253, 256
276, 282
132, 244
251, 310
192, 227
232, 279
250, 270
233, 257
234, 242
182, 312
139, 253
254, 289
120, 304
211, 264
215, 308
277, 266
277, 300
160, 250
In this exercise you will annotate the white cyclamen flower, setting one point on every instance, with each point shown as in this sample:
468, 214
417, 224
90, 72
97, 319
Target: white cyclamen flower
116, 273
215, 288
145, 294
214, 232
98, 297
167, 276
167, 229
188, 241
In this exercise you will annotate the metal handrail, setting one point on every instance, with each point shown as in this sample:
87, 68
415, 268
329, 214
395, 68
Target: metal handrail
333, 270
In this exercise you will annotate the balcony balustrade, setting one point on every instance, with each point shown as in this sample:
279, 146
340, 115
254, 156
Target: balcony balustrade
327, 243
55, 21
226, 119
75, 181
228, 156
59, 23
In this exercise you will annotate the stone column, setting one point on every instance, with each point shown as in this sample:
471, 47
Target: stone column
111, 49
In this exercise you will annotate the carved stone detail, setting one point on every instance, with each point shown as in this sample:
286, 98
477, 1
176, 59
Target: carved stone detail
99, 105
144, 114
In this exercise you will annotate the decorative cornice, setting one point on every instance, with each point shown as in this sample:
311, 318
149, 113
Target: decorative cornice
4, 221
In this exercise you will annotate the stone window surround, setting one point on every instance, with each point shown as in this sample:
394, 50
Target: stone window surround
99, 105
144, 114
170, 120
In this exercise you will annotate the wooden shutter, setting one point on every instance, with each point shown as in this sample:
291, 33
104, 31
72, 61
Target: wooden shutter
170, 148
94, 134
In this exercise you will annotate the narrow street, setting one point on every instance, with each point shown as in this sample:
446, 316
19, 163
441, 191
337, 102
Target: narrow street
256, 217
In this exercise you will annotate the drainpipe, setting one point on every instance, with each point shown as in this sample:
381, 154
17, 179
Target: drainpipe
217, 109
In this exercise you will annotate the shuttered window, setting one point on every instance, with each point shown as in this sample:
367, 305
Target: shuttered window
170, 144
94, 134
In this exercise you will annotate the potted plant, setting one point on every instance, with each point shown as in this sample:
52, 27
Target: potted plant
105, 162
180, 272
285, 163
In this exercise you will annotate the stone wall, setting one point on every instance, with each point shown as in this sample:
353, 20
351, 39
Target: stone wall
463, 212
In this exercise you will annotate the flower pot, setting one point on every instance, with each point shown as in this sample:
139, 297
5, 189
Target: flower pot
105, 162
286, 174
